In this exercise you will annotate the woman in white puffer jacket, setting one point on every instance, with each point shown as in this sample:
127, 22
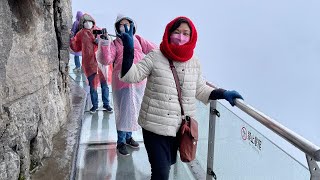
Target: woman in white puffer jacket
160, 113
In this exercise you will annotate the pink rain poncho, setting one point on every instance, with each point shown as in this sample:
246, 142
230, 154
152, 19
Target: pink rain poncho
85, 41
127, 97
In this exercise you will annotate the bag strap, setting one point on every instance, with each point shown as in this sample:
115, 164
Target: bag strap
176, 79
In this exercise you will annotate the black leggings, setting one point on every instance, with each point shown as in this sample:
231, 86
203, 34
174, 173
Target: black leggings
162, 153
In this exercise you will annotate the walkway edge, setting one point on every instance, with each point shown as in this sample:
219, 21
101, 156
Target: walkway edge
61, 162
76, 148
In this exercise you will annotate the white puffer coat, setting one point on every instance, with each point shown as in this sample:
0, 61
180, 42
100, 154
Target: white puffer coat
160, 110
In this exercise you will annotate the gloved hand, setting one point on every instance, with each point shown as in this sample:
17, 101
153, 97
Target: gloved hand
128, 49
104, 34
96, 40
105, 37
127, 36
230, 96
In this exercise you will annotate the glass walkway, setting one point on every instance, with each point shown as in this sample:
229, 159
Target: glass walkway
235, 150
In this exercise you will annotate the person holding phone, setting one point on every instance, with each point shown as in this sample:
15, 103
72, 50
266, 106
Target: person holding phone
95, 72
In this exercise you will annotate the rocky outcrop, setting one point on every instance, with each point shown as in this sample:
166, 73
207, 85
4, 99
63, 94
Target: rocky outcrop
34, 88
62, 162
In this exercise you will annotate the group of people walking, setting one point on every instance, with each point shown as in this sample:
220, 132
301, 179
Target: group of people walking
143, 87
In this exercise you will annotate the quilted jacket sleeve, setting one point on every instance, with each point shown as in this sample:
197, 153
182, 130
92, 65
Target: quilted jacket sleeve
203, 91
139, 71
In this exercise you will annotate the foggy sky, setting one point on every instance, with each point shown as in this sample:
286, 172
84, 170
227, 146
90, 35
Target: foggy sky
268, 50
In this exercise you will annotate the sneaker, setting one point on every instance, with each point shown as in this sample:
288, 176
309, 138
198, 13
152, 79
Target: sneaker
132, 143
93, 110
108, 108
122, 149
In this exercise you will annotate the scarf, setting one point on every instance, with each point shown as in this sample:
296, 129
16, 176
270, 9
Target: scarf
174, 52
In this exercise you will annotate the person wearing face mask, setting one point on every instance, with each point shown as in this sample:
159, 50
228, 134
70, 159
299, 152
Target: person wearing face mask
88, 24
160, 114
126, 97
95, 72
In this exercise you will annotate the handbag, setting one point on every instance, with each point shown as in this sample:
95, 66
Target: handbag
188, 131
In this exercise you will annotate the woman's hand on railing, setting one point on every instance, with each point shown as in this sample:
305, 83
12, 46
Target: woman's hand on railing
230, 96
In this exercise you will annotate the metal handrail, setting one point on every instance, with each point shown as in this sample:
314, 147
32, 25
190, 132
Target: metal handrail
295, 139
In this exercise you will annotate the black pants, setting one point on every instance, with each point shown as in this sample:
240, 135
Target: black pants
162, 153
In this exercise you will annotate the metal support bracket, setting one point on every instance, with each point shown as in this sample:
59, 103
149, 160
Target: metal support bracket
214, 112
313, 168
211, 139
211, 173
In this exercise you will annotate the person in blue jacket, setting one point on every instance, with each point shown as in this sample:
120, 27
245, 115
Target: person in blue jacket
74, 30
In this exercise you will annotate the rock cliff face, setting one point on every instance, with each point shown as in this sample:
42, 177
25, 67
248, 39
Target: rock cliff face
34, 88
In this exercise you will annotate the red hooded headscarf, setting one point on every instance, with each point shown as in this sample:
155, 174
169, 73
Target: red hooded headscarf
174, 52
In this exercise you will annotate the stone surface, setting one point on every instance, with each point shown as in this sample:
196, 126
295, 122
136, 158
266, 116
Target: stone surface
34, 86
65, 143
9, 160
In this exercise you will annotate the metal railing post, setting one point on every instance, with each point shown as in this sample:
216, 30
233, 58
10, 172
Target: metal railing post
313, 168
211, 137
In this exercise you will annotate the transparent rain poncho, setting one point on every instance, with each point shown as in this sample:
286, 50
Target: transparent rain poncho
127, 97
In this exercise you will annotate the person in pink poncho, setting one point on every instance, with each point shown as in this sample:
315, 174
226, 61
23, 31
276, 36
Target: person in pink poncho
127, 97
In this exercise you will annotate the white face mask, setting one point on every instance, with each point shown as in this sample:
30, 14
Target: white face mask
88, 25
122, 29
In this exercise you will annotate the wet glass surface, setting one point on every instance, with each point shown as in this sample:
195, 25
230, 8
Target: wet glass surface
244, 153
97, 155
235, 153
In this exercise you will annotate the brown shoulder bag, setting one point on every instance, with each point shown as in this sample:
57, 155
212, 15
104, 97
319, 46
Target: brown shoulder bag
188, 132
